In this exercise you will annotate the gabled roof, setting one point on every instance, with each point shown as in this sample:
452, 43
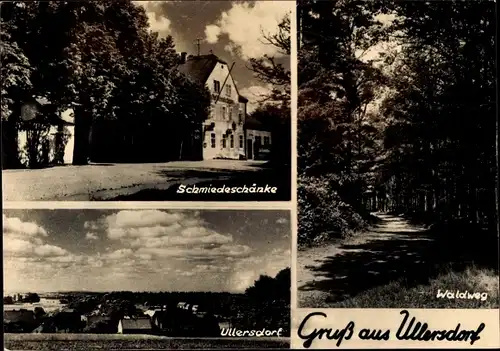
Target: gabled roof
198, 68
138, 323
254, 124
95, 319
47, 113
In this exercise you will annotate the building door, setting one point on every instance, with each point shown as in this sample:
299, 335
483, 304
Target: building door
249, 149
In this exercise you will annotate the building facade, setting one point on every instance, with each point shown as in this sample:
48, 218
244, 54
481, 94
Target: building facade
38, 136
258, 140
224, 132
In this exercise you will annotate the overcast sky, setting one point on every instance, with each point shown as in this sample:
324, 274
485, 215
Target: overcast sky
142, 250
231, 29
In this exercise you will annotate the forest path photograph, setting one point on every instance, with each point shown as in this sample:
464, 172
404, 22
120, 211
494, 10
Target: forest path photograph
397, 155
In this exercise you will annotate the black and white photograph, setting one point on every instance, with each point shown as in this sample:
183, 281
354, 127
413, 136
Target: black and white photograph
397, 155
146, 279
146, 100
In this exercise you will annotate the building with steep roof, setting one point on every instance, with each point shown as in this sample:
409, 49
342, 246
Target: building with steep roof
135, 326
224, 133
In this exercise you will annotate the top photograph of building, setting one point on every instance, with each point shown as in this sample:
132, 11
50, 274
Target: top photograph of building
146, 101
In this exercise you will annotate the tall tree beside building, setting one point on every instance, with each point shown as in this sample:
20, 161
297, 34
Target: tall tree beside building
274, 110
15, 75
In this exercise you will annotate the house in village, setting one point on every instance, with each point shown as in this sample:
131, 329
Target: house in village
38, 136
50, 301
226, 133
135, 326
99, 324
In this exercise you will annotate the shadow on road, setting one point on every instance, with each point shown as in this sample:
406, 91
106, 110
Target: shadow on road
278, 178
360, 267
394, 250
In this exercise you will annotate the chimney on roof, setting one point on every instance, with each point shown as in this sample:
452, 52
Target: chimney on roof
182, 58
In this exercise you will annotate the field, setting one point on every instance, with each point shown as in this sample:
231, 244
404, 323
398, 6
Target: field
133, 342
31, 306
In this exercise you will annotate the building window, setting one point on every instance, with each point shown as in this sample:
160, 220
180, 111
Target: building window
228, 89
216, 86
240, 117
223, 113
267, 141
258, 140
212, 140
241, 141
230, 115
231, 141
224, 141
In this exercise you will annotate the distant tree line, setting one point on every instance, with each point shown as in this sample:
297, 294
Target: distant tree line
265, 304
27, 298
274, 110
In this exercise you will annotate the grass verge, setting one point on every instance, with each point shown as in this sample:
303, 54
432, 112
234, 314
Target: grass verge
398, 294
51, 342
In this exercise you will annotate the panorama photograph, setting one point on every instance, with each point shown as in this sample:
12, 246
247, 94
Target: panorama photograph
146, 279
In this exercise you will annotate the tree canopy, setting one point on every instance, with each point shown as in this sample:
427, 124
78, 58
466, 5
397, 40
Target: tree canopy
396, 113
102, 60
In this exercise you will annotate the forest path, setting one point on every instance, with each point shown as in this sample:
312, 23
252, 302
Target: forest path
388, 251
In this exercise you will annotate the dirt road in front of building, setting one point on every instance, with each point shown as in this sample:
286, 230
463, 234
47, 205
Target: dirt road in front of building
109, 181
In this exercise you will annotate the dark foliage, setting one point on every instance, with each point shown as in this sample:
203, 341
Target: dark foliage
268, 304
426, 147
101, 60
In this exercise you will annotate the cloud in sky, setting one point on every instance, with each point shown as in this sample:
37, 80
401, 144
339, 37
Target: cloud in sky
255, 94
245, 23
157, 20
26, 239
137, 250
91, 236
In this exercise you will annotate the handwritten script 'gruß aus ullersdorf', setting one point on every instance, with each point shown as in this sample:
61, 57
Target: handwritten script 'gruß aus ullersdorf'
410, 329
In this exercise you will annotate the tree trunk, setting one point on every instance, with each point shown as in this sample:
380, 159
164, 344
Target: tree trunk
82, 133
10, 147
497, 182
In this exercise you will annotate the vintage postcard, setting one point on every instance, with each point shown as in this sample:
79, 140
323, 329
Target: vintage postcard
249, 174
146, 101
146, 279
397, 148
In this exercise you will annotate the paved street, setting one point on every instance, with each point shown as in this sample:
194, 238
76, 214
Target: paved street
107, 181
